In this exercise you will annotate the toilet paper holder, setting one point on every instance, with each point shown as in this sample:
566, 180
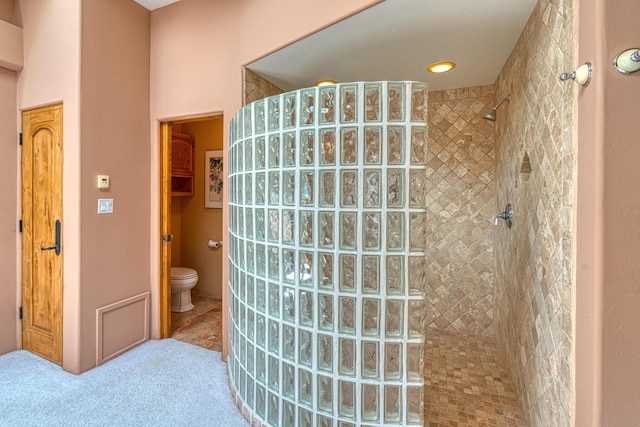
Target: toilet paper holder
214, 244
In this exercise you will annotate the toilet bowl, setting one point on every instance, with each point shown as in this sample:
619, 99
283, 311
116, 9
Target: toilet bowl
182, 281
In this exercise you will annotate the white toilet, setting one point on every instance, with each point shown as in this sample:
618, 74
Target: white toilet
182, 281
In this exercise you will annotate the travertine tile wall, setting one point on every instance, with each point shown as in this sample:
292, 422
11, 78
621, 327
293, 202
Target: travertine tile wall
256, 87
535, 172
460, 208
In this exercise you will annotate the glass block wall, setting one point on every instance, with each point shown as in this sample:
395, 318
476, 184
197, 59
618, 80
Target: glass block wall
327, 256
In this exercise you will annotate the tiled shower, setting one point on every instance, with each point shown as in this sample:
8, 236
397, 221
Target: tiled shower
327, 255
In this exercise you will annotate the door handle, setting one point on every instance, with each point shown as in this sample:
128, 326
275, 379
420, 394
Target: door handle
55, 247
167, 237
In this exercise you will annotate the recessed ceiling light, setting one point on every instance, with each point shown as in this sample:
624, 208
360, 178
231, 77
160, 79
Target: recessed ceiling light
325, 82
441, 67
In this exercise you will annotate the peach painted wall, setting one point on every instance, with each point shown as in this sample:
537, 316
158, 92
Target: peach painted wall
608, 225
223, 36
51, 74
8, 214
7, 8
114, 135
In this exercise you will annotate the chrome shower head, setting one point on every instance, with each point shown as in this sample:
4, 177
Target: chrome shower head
491, 114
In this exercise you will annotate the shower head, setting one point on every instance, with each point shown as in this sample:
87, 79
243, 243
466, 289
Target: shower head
491, 114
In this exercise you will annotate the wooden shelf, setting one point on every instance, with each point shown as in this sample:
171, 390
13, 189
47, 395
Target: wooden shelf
182, 160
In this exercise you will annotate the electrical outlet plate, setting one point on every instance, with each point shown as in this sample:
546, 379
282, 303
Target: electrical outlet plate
103, 182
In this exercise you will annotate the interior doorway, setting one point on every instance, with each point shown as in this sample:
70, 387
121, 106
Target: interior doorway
186, 226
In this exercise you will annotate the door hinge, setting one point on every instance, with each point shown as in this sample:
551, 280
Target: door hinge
20, 138
20, 313
20, 226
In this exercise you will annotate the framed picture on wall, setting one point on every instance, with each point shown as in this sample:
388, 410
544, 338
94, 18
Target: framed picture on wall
213, 178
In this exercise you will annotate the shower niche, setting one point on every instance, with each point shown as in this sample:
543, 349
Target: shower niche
327, 248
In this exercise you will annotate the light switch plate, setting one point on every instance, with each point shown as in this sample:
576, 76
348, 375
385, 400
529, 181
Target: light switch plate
103, 182
105, 206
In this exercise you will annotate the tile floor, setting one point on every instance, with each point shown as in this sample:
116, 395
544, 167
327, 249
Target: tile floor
465, 380
202, 325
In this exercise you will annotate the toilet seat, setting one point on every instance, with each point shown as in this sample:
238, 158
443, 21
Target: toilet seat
182, 274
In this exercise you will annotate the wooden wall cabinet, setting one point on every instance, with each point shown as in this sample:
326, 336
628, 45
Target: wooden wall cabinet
182, 164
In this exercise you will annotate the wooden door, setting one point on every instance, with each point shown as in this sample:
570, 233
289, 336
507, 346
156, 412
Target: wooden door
42, 232
165, 230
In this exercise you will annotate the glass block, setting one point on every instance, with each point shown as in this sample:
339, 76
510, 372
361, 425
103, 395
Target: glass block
418, 146
394, 318
288, 380
248, 160
327, 105
248, 195
289, 149
347, 273
305, 388
259, 116
260, 153
261, 299
372, 145
347, 323
325, 270
274, 226
274, 374
261, 367
306, 269
274, 300
240, 219
370, 360
345, 424
372, 102
370, 274
392, 404
306, 228
248, 123
347, 357
274, 188
325, 312
327, 147
348, 100
415, 362
371, 317
274, 151
417, 188
349, 189
348, 224
395, 276
274, 263
418, 102
372, 188
307, 147
416, 319
418, 236
289, 188
393, 361
261, 189
349, 146
260, 225
325, 353
251, 321
250, 390
395, 231
288, 265
395, 145
289, 304
395, 103
305, 418
325, 232
289, 342
327, 188
346, 399
415, 405
288, 414
274, 410
306, 308
306, 348
261, 328
371, 235
273, 105
249, 218
324, 421
395, 188
417, 276
307, 107
289, 101
274, 336
306, 188
288, 227
260, 401
370, 401
325, 394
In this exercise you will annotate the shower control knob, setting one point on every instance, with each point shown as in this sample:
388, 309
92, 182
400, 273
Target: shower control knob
507, 215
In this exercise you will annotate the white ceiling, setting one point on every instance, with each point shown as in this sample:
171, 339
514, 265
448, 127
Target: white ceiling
399, 39
155, 4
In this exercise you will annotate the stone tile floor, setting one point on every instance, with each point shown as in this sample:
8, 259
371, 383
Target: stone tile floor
465, 380
202, 325
466, 383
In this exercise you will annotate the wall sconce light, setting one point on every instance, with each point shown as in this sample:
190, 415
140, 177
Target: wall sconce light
582, 75
627, 61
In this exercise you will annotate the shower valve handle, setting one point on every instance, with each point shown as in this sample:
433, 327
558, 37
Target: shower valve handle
507, 215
